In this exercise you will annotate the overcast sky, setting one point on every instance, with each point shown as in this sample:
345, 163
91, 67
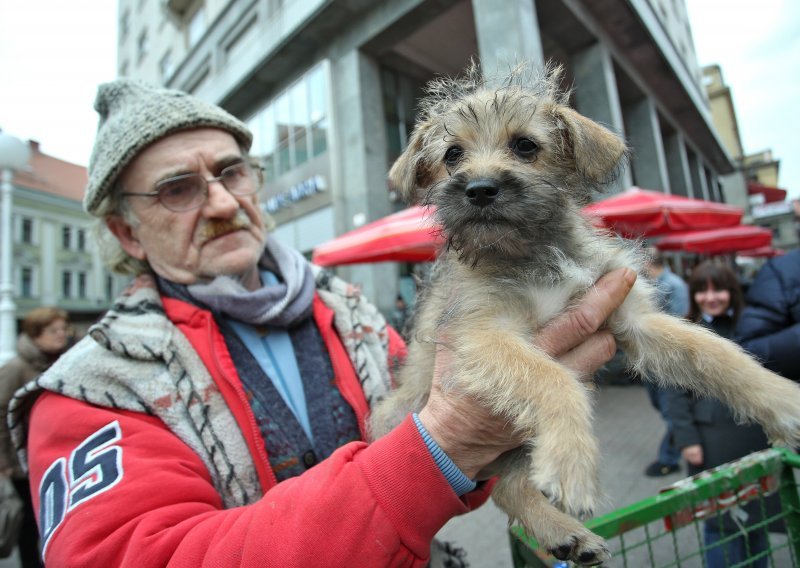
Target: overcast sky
54, 53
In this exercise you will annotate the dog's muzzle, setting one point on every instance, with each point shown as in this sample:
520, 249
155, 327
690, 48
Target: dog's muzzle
481, 192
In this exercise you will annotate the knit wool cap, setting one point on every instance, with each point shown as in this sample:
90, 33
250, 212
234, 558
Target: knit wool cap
133, 115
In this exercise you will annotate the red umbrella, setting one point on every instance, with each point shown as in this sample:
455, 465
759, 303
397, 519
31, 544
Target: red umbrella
761, 251
645, 213
410, 235
717, 241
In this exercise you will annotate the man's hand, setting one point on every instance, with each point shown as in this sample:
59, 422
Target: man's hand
470, 435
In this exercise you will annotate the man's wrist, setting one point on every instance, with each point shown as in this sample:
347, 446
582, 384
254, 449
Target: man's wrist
457, 479
466, 456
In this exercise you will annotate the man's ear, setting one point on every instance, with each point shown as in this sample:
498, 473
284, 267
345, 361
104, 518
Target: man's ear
126, 235
411, 173
598, 153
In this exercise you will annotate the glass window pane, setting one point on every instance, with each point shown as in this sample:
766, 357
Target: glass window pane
300, 146
318, 93
255, 126
319, 137
269, 163
299, 104
283, 118
66, 284
270, 132
282, 156
26, 289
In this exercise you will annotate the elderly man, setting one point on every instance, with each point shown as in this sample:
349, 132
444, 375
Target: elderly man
216, 414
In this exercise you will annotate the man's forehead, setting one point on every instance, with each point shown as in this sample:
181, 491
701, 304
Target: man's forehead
183, 152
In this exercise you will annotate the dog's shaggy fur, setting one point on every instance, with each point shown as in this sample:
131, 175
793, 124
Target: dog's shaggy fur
508, 170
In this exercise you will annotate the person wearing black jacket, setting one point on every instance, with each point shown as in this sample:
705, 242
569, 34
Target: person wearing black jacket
705, 430
770, 324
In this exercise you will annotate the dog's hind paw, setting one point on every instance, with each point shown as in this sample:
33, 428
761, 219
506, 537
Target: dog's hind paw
586, 549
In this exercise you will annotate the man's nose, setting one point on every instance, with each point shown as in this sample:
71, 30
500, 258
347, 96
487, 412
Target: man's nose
220, 202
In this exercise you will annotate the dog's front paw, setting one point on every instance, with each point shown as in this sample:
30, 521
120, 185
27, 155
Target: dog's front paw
780, 414
584, 548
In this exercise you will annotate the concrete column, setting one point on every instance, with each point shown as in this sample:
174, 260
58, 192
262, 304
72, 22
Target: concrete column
359, 166
734, 190
699, 186
644, 136
508, 33
678, 165
597, 97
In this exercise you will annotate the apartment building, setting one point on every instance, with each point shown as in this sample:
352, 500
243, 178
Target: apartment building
54, 259
329, 88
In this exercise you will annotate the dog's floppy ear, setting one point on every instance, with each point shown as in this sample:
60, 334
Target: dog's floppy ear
597, 152
411, 173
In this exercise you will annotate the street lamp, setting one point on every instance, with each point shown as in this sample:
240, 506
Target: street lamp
14, 155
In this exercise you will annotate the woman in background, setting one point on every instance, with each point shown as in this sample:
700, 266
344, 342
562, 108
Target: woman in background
43, 339
705, 431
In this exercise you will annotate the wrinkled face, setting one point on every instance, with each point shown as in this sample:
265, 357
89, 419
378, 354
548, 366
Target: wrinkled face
713, 301
225, 236
505, 170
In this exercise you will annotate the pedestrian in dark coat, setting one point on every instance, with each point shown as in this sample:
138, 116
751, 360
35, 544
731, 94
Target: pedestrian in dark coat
770, 324
705, 430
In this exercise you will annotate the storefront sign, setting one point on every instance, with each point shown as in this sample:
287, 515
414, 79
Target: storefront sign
297, 192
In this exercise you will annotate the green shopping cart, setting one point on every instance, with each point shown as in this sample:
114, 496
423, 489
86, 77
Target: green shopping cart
666, 530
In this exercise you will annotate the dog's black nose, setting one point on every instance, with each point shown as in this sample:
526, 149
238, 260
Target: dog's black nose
481, 192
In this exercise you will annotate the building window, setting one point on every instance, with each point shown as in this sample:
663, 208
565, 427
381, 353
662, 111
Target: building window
197, 26
66, 284
142, 46
81, 238
26, 282
26, 230
318, 109
109, 287
66, 237
166, 67
82, 285
124, 25
293, 128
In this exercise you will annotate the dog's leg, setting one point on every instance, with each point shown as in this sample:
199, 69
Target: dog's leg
563, 536
409, 396
688, 356
545, 402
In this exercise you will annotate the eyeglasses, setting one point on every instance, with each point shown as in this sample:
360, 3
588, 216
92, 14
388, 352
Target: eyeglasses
190, 191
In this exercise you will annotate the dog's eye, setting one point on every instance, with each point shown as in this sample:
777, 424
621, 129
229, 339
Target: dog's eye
453, 155
524, 147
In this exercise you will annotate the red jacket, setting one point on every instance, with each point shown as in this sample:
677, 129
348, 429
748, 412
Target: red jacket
128, 492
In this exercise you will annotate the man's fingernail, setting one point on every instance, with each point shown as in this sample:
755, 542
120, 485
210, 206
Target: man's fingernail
629, 276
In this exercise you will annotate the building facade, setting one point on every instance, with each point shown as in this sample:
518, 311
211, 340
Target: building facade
765, 203
55, 261
329, 88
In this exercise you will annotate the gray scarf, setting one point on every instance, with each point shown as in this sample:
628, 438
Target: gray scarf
280, 305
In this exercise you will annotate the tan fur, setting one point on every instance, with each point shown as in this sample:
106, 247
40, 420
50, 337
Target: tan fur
513, 264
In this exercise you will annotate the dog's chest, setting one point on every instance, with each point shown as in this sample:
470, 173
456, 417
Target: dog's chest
545, 301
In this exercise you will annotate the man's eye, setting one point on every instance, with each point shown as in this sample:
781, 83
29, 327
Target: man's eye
524, 147
453, 155
234, 172
176, 189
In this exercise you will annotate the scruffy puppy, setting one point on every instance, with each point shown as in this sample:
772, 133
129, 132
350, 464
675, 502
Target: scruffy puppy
508, 170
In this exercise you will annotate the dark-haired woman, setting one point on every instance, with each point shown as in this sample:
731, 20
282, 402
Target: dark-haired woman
705, 431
